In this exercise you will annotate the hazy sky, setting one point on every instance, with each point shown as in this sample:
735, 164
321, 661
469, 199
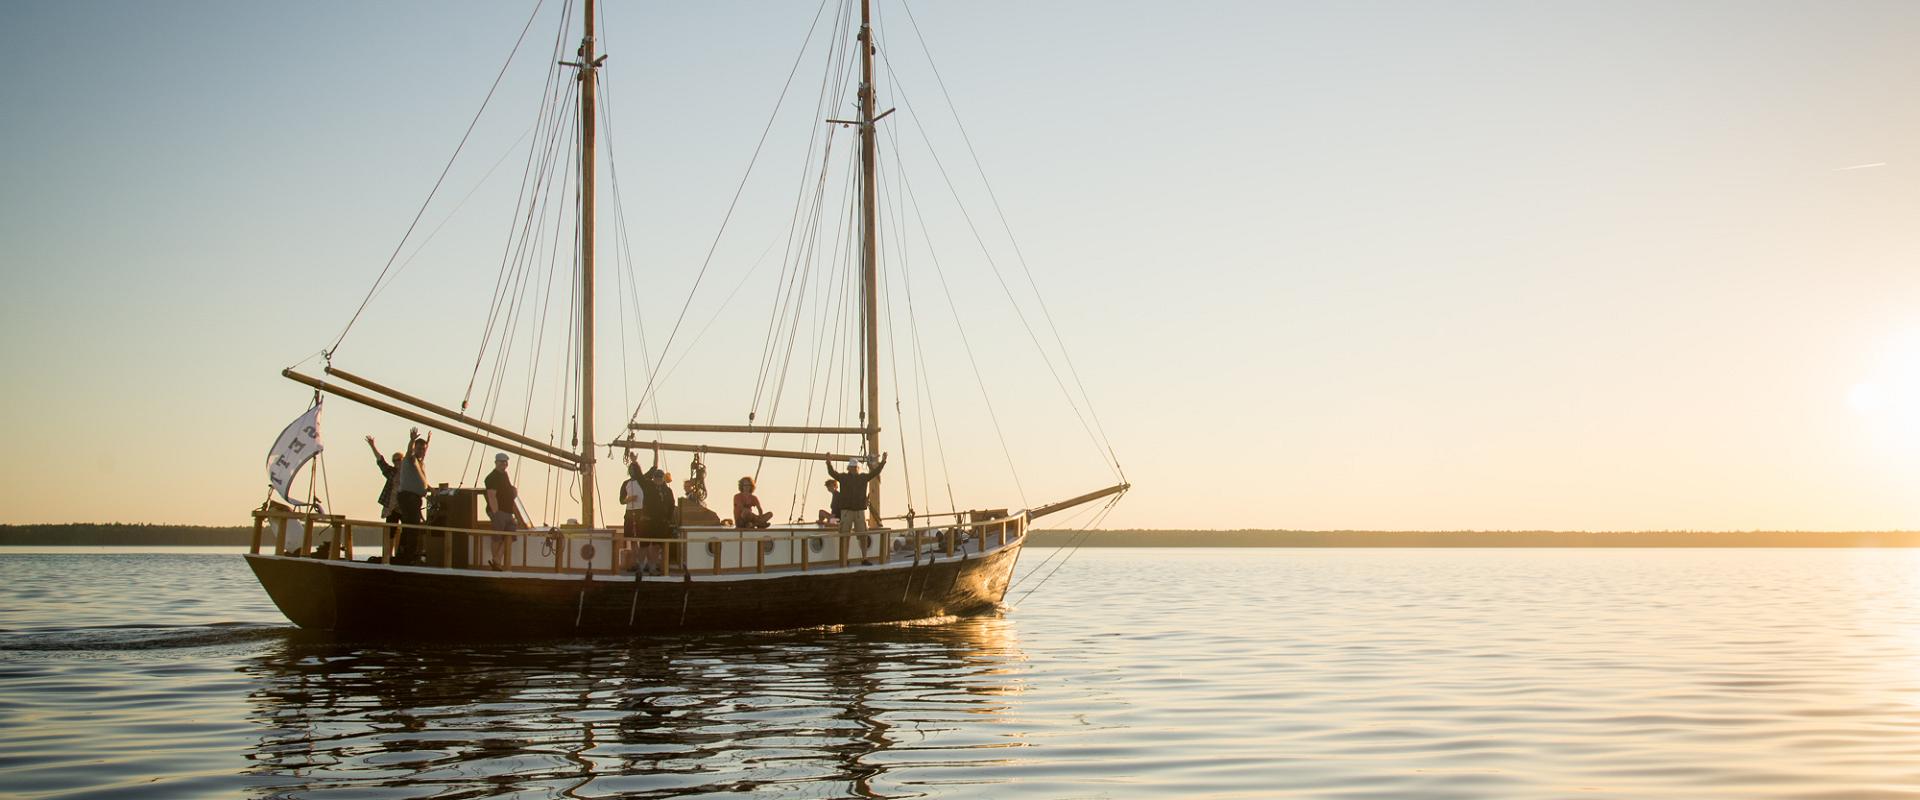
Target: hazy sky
1320, 265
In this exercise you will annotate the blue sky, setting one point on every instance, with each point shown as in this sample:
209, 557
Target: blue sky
1354, 265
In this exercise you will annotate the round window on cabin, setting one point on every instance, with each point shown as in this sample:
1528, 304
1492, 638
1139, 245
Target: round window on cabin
713, 549
766, 547
817, 544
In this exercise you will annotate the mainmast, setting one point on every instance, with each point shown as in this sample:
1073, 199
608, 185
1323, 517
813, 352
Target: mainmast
869, 283
587, 66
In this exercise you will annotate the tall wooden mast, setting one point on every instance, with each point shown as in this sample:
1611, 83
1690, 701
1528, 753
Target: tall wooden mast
869, 282
588, 65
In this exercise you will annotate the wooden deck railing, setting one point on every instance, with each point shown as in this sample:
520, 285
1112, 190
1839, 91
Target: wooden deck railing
335, 534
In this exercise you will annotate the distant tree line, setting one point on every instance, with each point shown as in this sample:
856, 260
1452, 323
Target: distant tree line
115, 534
131, 535
1279, 538
123, 535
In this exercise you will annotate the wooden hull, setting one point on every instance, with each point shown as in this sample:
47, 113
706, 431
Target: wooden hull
375, 599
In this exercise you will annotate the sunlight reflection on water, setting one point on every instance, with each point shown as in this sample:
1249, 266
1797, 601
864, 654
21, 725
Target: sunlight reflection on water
1327, 673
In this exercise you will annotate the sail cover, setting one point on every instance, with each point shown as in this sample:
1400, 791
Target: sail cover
297, 445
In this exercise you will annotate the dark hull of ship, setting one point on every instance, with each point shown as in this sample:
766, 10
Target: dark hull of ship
380, 600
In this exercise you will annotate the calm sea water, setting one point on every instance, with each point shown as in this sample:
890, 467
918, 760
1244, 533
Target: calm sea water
1131, 673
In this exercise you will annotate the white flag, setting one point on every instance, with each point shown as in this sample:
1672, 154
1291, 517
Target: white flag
297, 445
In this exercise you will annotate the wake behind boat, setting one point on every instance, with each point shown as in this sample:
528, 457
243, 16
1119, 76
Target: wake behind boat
450, 562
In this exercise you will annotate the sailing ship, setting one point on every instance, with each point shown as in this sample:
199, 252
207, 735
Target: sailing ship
581, 577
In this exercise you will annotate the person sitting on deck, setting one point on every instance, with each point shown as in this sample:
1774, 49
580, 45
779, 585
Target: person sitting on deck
830, 516
747, 513
853, 500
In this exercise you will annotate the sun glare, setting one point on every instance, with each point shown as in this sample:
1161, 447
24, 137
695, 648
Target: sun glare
1888, 401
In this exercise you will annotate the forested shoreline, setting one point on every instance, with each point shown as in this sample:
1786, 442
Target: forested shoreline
136, 535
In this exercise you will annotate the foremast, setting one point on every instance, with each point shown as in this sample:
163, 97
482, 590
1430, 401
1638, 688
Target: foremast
587, 67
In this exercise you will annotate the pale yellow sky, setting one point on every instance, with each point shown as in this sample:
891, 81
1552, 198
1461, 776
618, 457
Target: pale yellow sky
1358, 265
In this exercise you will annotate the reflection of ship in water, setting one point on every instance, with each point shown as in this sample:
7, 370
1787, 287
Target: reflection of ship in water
817, 713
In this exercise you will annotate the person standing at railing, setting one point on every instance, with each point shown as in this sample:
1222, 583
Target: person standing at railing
853, 501
656, 508
409, 495
387, 470
633, 494
503, 510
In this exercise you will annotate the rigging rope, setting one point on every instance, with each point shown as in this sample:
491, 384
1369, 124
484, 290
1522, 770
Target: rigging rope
994, 267
1087, 533
335, 347
966, 343
623, 244
1019, 254
647, 392
1076, 533
532, 240
832, 92
826, 97
544, 159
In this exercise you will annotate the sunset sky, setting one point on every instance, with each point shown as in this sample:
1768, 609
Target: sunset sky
1375, 265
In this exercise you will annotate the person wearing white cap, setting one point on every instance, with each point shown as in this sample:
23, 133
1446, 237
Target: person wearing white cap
503, 510
853, 500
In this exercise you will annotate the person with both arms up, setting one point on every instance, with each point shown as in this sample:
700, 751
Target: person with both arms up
852, 499
409, 496
390, 471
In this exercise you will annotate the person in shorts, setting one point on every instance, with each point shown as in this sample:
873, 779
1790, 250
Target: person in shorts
503, 512
853, 501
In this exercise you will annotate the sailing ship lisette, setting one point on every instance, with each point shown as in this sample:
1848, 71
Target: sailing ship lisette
446, 572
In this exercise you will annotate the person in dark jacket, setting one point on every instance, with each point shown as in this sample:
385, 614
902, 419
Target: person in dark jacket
852, 500
409, 497
387, 510
657, 506
387, 470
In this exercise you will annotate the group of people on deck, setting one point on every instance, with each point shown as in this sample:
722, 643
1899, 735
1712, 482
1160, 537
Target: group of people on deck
403, 500
646, 495
403, 497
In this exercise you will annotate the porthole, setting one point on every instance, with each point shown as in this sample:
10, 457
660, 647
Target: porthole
713, 549
766, 547
817, 544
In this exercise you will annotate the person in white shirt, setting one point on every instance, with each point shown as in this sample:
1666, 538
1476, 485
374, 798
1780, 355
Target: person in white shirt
633, 496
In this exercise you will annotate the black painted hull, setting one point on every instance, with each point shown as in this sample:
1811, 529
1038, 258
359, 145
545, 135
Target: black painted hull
374, 599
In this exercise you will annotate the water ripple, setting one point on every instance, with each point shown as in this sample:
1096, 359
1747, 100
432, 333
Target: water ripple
1343, 674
